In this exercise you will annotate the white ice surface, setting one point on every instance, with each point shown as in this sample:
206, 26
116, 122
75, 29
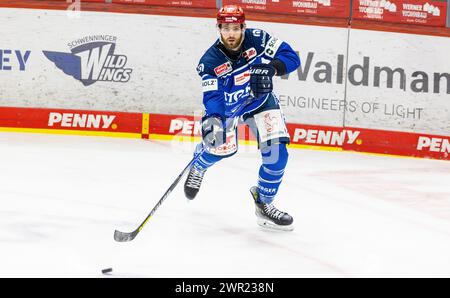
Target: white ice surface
355, 215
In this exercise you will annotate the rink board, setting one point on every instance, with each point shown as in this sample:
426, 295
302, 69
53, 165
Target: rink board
187, 128
348, 77
76, 122
360, 90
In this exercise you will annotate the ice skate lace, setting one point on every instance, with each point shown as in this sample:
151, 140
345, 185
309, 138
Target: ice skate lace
195, 178
272, 211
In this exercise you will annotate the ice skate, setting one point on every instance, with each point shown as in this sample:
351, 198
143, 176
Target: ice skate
193, 182
268, 216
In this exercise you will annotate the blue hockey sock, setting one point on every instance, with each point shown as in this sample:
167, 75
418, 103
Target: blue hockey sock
271, 171
205, 160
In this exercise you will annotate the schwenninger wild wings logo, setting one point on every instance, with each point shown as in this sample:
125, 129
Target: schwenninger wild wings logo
91, 60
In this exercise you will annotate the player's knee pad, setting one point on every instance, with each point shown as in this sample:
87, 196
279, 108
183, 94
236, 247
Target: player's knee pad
228, 144
268, 123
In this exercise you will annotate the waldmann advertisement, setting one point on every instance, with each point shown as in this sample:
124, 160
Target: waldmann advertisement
398, 83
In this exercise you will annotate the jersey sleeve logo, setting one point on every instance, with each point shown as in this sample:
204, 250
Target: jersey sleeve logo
209, 85
272, 46
200, 68
256, 33
223, 69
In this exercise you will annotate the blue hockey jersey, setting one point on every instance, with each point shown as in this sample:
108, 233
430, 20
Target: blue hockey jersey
225, 81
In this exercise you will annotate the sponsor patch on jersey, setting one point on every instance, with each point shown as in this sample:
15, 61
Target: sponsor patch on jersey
223, 69
242, 78
263, 39
249, 54
272, 46
209, 85
232, 98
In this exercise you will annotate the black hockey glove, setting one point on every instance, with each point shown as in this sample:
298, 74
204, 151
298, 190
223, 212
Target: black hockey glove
213, 132
261, 79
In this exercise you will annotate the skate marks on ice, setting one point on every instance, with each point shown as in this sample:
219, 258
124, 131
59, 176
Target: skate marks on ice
252, 247
423, 189
369, 230
342, 228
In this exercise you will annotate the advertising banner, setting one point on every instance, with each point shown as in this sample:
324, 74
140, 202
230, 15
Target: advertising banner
315, 92
174, 3
99, 123
413, 12
398, 82
187, 128
323, 8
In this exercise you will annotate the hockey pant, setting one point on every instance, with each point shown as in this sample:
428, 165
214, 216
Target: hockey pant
268, 124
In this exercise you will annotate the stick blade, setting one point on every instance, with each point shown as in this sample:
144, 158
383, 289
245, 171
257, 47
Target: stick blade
124, 237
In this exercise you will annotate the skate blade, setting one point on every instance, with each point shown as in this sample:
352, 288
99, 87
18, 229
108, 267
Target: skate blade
271, 226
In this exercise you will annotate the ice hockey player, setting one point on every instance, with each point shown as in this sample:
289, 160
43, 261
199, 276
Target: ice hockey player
238, 68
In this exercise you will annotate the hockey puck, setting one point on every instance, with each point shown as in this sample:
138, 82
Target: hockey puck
107, 270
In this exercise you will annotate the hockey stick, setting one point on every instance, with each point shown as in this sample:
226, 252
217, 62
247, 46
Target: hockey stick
124, 237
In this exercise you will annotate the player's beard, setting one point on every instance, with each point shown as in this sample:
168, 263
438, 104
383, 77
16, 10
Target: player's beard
233, 45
